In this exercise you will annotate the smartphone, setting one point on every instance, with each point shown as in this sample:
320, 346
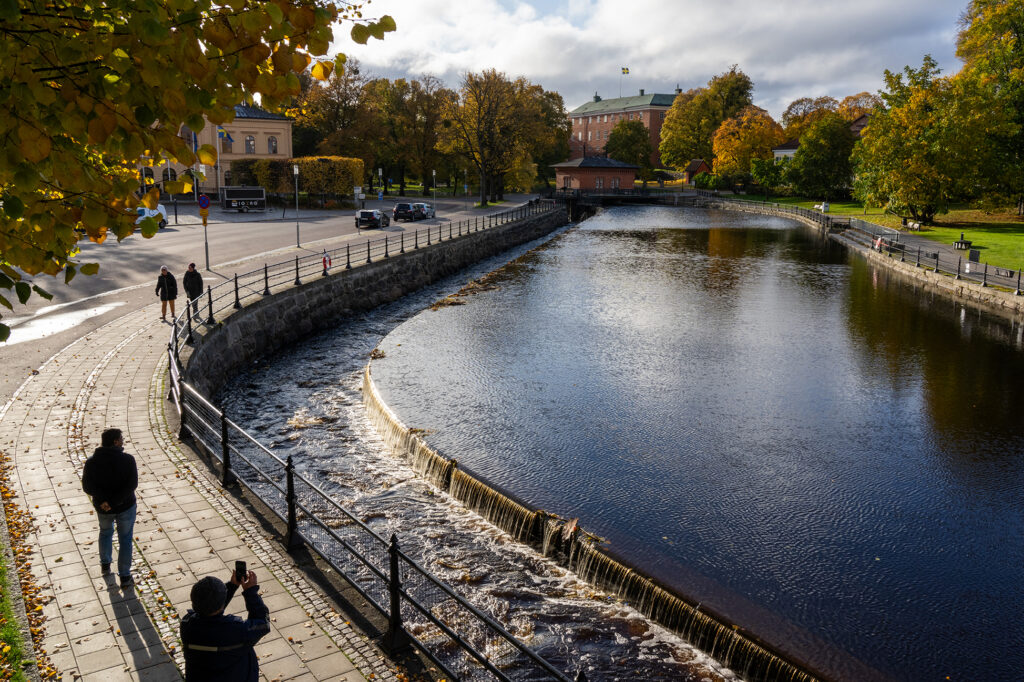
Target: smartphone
240, 571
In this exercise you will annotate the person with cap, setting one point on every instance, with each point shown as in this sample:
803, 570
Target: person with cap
167, 290
220, 647
193, 283
110, 478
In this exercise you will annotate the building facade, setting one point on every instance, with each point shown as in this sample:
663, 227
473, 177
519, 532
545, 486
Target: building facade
595, 173
592, 122
254, 134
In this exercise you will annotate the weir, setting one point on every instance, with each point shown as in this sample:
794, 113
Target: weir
572, 547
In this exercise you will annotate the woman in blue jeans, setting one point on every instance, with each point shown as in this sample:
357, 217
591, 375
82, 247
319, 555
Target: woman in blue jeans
110, 479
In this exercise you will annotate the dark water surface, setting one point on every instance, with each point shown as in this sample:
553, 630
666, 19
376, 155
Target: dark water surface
771, 426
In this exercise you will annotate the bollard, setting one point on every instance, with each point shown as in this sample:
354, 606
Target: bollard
226, 477
292, 540
348, 259
297, 280
266, 281
368, 251
209, 302
238, 304
188, 315
402, 242
395, 638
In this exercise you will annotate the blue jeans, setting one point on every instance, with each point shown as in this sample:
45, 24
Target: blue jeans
125, 522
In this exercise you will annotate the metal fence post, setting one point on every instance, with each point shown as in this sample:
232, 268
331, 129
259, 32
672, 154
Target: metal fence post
984, 277
209, 303
1017, 293
188, 315
292, 540
238, 303
226, 478
348, 258
936, 262
368, 251
958, 259
428, 236
416, 239
266, 281
297, 280
918, 263
401, 242
449, 230
386, 246
174, 336
395, 639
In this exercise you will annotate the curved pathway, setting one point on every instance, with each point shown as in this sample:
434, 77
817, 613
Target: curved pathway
186, 527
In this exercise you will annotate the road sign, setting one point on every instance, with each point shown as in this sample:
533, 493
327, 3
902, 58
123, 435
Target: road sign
204, 202
380, 195
204, 212
357, 190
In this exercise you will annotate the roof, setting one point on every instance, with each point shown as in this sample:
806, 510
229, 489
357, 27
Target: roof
787, 145
595, 162
248, 111
619, 103
695, 165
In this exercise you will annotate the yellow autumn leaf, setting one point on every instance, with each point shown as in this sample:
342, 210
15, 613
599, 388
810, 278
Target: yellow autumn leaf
322, 70
207, 154
151, 199
35, 145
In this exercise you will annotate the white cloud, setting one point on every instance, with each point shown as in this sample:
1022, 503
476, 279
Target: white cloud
790, 48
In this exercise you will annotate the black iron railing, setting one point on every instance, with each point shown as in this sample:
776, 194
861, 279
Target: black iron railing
463, 641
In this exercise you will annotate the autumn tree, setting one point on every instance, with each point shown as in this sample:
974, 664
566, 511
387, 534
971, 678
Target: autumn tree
691, 122
930, 145
331, 117
853, 107
769, 174
630, 141
802, 112
427, 100
552, 144
89, 89
751, 134
991, 44
822, 166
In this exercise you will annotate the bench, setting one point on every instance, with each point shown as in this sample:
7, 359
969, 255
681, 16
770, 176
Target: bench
1003, 272
916, 227
962, 244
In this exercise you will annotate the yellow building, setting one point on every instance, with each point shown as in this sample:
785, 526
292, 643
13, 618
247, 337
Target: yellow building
254, 134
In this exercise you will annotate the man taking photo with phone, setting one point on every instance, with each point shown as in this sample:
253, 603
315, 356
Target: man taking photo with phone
219, 647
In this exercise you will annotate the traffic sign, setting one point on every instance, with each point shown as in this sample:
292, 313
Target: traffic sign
204, 203
204, 212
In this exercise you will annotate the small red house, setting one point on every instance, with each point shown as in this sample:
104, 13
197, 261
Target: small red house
595, 173
695, 168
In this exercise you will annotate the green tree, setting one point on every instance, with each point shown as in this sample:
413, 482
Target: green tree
821, 166
991, 44
630, 141
931, 145
694, 117
768, 174
552, 145
89, 89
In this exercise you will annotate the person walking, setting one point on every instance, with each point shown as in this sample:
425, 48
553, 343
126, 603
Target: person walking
193, 283
219, 647
167, 290
110, 478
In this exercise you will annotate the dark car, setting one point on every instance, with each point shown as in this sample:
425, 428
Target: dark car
372, 219
403, 211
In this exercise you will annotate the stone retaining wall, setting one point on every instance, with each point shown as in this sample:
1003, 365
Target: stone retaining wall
287, 316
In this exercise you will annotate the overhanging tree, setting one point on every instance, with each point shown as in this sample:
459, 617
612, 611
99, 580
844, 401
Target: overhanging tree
89, 89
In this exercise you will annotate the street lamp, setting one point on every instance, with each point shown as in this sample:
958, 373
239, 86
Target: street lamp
434, 174
465, 185
295, 171
380, 180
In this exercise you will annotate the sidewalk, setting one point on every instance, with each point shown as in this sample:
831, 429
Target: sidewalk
186, 527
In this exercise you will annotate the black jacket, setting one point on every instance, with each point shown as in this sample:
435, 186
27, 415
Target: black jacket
169, 287
193, 283
111, 476
220, 648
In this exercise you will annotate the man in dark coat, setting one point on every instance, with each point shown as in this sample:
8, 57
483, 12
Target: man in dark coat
219, 647
193, 283
110, 478
167, 290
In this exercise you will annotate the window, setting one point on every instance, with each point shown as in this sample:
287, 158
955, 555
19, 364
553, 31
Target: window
606, 134
615, 183
271, 145
566, 182
606, 118
590, 135
663, 116
169, 174
227, 177
250, 145
579, 136
147, 175
598, 183
631, 117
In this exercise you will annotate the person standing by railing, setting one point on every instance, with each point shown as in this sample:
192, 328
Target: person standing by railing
167, 290
193, 283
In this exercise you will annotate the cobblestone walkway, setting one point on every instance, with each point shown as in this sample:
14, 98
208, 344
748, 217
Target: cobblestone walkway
186, 527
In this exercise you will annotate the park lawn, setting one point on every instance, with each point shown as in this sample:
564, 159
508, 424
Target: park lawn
998, 234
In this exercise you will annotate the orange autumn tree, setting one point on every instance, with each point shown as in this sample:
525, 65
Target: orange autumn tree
749, 135
89, 90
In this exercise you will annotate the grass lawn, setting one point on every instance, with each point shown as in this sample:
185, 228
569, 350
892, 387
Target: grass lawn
998, 234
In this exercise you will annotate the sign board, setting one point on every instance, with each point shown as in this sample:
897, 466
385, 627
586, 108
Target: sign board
204, 212
357, 190
362, 196
243, 198
380, 195
204, 201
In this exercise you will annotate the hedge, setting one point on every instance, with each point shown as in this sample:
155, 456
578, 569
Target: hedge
317, 174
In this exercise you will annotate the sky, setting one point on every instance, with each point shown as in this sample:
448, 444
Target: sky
789, 48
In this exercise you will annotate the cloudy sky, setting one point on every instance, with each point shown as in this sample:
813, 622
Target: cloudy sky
790, 48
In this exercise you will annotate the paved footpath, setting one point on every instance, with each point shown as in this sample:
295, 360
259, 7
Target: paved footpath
186, 527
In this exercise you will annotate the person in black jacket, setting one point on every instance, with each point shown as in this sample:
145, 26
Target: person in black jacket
167, 290
110, 478
219, 647
193, 283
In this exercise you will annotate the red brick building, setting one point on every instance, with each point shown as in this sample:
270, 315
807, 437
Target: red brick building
592, 122
594, 173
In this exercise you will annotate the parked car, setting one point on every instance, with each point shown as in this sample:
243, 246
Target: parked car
403, 211
159, 214
423, 211
372, 219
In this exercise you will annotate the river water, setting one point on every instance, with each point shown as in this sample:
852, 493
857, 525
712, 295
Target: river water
764, 422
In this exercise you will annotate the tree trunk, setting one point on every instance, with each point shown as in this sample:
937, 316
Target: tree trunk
501, 187
401, 180
483, 190
1020, 205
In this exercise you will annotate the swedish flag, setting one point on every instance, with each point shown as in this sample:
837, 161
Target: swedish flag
625, 70
223, 134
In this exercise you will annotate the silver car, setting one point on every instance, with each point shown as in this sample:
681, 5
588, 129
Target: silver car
422, 211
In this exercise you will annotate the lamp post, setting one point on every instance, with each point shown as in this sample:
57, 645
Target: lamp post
206, 240
295, 172
433, 173
465, 185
